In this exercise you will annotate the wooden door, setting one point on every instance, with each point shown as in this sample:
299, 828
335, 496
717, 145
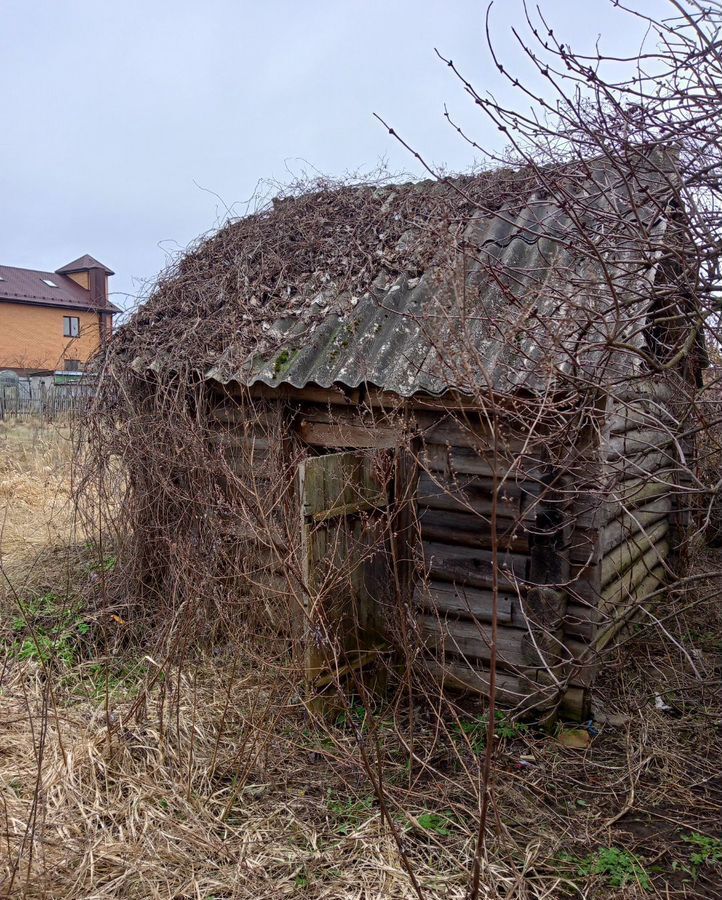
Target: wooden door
347, 560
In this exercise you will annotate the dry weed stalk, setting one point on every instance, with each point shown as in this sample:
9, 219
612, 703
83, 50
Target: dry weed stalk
215, 774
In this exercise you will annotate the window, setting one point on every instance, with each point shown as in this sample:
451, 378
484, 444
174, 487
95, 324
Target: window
48, 282
73, 365
71, 326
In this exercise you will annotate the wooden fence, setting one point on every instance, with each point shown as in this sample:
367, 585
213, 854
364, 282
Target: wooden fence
46, 402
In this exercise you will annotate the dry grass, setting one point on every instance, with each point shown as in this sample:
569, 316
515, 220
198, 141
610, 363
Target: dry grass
35, 507
123, 775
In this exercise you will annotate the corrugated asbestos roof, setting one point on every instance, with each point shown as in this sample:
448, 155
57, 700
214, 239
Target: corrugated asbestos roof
507, 317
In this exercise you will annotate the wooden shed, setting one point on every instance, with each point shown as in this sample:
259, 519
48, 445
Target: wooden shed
472, 445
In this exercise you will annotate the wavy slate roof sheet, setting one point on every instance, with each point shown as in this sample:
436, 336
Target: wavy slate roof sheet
513, 308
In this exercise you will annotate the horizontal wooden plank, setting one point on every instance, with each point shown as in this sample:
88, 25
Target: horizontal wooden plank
238, 437
510, 689
230, 415
472, 566
470, 530
636, 492
650, 464
443, 534
335, 395
318, 434
617, 590
629, 418
638, 441
380, 501
594, 543
579, 620
439, 458
468, 494
649, 390
627, 611
622, 557
467, 431
240, 449
630, 525
458, 675
358, 415
640, 410
592, 511
471, 640
444, 598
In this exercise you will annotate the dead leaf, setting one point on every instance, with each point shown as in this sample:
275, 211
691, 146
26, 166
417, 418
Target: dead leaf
575, 739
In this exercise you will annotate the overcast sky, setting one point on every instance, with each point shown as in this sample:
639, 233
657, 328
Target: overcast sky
128, 128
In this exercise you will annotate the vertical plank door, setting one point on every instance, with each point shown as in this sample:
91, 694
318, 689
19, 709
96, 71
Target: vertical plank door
346, 558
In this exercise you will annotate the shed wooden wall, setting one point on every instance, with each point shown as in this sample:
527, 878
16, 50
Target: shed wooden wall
610, 545
629, 524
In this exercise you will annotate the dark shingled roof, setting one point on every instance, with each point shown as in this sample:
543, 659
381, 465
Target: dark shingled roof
82, 264
30, 286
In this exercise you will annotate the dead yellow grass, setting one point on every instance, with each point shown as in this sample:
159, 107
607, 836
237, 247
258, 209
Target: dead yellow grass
35, 499
126, 775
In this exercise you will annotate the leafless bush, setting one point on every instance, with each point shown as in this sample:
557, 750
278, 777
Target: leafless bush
188, 467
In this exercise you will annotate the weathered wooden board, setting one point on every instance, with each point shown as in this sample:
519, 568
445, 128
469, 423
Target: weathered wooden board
441, 458
343, 505
470, 530
626, 554
458, 675
626, 611
339, 483
470, 640
639, 441
587, 543
468, 494
630, 526
340, 435
472, 566
579, 620
620, 589
467, 431
442, 598
510, 690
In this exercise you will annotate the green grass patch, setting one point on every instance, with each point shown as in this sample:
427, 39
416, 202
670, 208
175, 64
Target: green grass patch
46, 629
617, 866
475, 730
349, 813
705, 852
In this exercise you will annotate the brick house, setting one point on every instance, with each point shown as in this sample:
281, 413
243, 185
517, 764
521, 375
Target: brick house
54, 321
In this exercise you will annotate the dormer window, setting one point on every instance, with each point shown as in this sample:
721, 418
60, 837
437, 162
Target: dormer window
48, 282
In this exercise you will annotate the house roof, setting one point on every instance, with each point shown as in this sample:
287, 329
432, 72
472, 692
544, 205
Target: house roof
457, 285
39, 288
82, 264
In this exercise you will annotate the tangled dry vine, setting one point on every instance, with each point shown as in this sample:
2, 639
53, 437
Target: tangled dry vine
409, 464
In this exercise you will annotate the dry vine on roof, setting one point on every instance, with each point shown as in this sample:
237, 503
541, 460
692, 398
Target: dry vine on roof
316, 248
